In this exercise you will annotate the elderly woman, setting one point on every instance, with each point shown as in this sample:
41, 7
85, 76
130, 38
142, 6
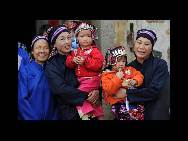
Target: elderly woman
154, 92
63, 81
35, 101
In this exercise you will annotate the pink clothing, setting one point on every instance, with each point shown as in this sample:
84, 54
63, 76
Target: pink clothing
89, 84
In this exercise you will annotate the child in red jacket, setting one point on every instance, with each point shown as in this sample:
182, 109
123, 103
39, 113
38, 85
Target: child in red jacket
87, 61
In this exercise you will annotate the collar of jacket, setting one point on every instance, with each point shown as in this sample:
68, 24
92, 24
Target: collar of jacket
87, 48
147, 61
39, 66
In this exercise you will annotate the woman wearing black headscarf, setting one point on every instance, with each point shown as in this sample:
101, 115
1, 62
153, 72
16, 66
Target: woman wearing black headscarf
62, 80
154, 92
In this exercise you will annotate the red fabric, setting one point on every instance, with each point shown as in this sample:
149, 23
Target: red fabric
93, 61
53, 22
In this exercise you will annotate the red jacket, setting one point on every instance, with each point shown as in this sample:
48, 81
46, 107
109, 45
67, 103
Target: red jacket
93, 61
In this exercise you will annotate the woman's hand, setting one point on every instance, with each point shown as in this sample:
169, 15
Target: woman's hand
93, 96
132, 82
129, 83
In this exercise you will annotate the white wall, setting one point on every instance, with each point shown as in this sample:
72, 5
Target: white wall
162, 29
107, 34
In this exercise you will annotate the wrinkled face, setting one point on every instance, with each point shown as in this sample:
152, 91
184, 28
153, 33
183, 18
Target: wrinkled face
85, 38
41, 51
120, 63
63, 43
142, 48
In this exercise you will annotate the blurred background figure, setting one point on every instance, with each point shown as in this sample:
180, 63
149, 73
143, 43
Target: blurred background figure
71, 26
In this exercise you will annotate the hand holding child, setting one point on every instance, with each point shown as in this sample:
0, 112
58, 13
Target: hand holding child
93, 96
129, 83
132, 82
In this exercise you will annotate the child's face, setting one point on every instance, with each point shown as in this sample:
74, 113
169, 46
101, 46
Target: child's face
120, 64
85, 38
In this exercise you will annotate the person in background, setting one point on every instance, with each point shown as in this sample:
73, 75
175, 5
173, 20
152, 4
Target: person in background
23, 56
71, 26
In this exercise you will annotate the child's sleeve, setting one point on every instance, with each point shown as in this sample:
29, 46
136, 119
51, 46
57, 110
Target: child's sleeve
137, 75
69, 60
110, 84
94, 61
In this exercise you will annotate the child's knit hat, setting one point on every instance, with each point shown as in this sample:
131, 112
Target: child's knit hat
86, 26
113, 53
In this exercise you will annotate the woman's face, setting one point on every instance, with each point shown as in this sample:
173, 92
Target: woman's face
142, 48
63, 43
41, 51
85, 38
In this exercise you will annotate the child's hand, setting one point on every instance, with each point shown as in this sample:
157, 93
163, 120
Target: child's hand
78, 60
81, 60
125, 83
119, 74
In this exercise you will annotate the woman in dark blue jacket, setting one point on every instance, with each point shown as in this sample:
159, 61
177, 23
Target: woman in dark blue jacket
62, 80
35, 101
155, 91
